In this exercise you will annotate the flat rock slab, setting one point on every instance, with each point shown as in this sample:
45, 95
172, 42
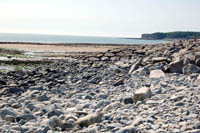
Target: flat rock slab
157, 74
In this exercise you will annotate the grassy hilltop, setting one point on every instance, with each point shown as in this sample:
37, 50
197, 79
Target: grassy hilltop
171, 35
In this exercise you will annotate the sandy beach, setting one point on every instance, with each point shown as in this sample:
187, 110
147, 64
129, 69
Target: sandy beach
58, 48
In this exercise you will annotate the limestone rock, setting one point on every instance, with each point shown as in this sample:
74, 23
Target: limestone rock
142, 94
157, 74
89, 119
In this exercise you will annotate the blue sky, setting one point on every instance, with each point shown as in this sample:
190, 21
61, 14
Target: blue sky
122, 18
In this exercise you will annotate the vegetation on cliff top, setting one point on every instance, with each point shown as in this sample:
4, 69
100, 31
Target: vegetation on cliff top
171, 35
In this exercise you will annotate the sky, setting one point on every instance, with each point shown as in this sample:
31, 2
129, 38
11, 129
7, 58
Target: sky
117, 18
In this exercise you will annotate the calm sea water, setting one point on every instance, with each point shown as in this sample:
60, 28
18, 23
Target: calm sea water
72, 39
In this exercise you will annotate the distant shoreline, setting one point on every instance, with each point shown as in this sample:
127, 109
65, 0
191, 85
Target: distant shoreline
166, 39
70, 44
61, 39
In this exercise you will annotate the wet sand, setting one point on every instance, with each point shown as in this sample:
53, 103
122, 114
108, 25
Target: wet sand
58, 48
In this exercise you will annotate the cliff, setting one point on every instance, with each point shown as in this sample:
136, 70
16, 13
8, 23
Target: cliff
171, 35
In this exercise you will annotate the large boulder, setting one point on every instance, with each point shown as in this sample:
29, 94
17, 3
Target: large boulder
157, 74
142, 94
177, 65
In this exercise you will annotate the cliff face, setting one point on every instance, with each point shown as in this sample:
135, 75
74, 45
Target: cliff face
171, 35
147, 36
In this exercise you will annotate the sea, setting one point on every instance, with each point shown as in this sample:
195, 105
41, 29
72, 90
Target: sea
42, 38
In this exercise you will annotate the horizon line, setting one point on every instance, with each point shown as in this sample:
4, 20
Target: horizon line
28, 33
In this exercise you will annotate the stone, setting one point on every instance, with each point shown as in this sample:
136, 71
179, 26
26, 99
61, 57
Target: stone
54, 112
31, 106
176, 98
139, 120
90, 130
2, 82
14, 90
119, 82
180, 104
197, 81
193, 131
128, 129
128, 100
160, 59
197, 62
142, 94
135, 66
43, 129
36, 88
89, 97
197, 125
7, 111
10, 118
55, 122
157, 74
177, 65
43, 98
26, 117
188, 69
89, 119
16, 128
102, 96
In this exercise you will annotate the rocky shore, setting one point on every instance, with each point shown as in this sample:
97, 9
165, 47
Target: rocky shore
144, 88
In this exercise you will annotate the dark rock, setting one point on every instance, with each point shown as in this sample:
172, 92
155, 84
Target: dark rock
26, 117
160, 59
119, 82
43, 98
177, 65
188, 69
180, 104
36, 88
128, 100
14, 90
2, 82
7, 111
197, 62
54, 113
88, 97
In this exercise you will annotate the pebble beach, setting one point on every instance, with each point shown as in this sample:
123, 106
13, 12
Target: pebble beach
111, 89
